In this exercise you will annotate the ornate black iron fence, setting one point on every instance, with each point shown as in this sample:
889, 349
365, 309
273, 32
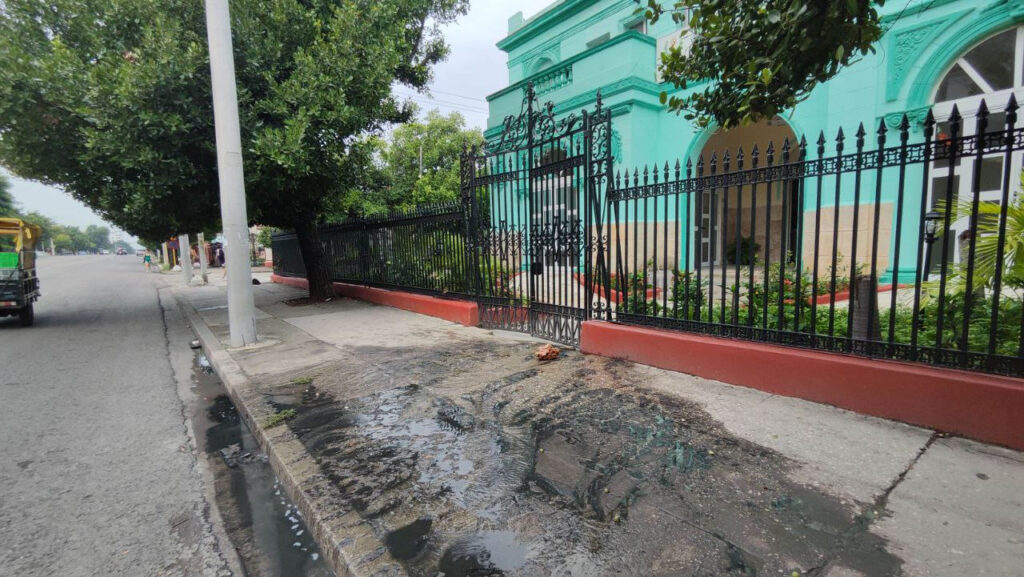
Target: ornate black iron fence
908, 245
421, 250
534, 200
902, 251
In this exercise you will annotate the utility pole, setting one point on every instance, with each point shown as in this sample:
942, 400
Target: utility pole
241, 316
202, 258
421, 156
185, 250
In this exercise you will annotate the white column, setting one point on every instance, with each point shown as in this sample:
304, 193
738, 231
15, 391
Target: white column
185, 258
202, 258
232, 178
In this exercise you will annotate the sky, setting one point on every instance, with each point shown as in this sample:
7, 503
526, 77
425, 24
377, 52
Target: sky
474, 69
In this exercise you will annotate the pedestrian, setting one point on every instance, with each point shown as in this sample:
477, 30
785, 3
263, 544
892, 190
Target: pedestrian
148, 260
220, 261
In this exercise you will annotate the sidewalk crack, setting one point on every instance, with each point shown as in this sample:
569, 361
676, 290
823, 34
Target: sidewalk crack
871, 513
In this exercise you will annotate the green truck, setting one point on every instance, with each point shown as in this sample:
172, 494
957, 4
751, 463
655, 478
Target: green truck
19, 285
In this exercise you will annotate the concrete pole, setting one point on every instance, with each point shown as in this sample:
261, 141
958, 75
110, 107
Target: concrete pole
202, 258
241, 316
163, 254
184, 249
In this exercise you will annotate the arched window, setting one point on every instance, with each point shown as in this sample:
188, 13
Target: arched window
991, 70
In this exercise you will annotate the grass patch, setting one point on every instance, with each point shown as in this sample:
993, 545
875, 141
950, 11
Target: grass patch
302, 381
278, 418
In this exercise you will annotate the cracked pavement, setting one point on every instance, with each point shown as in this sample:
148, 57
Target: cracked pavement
425, 448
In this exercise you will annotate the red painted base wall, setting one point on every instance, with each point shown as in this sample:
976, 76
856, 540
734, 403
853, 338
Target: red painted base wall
462, 312
984, 407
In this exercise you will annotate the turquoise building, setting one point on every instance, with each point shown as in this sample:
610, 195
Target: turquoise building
935, 54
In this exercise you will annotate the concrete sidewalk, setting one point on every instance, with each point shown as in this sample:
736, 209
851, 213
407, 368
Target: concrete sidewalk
419, 447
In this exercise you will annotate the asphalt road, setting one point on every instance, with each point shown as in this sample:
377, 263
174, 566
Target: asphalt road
97, 471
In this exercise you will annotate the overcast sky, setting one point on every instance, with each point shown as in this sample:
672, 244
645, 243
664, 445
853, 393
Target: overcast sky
474, 69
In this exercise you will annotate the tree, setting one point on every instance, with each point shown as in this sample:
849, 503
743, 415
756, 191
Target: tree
8, 207
760, 57
422, 158
99, 236
62, 243
111, 100
46, 224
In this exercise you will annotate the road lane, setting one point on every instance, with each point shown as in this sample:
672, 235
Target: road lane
96, 470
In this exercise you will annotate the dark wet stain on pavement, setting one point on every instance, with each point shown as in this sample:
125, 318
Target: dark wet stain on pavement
479, 461
265, 528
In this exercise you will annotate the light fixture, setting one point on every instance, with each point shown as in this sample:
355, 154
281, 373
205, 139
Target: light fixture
931, 225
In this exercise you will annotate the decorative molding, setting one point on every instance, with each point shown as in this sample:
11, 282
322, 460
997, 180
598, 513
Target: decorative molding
576, 58
552, 79
554, 55
916, 116
906, 46
554, 16
908, 11
616, 142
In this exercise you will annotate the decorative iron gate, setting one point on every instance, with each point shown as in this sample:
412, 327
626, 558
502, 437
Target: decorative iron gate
535, 220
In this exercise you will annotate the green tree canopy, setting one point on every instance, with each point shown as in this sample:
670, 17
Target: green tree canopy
8, 207
422, 159
760, 57
111, 100
62, 243
99, 236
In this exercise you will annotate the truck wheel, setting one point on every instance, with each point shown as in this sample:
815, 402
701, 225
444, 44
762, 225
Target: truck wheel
27, 315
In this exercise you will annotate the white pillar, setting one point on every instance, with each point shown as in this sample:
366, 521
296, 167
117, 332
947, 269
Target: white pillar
185, 258
201, 248
232, 179
163, 254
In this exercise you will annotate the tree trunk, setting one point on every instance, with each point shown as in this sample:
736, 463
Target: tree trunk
864, 300
315, 260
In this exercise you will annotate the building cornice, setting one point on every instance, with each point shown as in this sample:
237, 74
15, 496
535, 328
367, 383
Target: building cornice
552, 17
632, 35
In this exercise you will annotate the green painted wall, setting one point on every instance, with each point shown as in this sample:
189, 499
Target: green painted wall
564, 50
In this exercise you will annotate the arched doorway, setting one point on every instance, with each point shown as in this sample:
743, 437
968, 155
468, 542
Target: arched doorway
715, 232
992, 70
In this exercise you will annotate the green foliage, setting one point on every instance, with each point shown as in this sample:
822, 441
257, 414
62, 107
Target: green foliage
7, 205
265, 236
760, 57
279, 418
62, 243
784, 303
987, 245
440, 139
112, 101
99, 236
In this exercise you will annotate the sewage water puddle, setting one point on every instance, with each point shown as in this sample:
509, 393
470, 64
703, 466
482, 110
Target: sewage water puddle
265, 527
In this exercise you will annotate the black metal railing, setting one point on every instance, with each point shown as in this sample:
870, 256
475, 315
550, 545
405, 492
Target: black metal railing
908, 245
421, 249
836, 250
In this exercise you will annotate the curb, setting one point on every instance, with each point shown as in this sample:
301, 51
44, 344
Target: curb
979, 406
237, 383
455, 310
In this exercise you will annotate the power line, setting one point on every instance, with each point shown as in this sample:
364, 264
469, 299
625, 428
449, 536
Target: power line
444, 103
440, 100
456, 95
